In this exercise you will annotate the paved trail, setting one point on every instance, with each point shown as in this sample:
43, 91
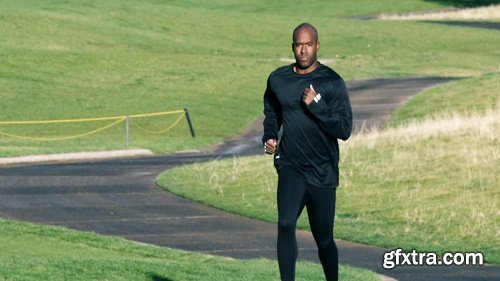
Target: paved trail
119, 197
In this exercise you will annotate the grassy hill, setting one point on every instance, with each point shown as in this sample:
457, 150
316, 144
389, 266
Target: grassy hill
80, 59
429, 186
33, 252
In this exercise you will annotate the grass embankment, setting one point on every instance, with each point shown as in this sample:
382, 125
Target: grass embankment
431, 186
429, 182
31, 252
463, 97
79, 59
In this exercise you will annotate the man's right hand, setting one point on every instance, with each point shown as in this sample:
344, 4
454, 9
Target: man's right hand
270, 146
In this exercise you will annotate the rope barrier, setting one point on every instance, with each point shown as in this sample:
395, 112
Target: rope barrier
156, 114
116, 119
159, 132
87, 119
63, 138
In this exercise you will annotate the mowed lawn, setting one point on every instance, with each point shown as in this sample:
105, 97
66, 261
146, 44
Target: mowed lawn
42, 253
83, 59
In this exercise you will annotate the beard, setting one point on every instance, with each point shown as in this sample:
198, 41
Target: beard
305, 62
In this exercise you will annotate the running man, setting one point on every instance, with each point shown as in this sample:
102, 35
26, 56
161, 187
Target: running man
309, 101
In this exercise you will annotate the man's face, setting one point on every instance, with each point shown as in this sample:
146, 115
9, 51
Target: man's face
305, 47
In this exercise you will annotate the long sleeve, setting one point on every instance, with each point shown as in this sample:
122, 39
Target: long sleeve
272, 112
334, 113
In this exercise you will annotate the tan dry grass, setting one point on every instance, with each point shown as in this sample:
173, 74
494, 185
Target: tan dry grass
485, 125
482, 13
434, 182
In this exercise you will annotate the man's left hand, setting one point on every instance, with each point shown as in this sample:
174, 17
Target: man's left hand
308, 95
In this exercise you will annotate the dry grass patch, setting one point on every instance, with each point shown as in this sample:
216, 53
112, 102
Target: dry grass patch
482, 13
431, 185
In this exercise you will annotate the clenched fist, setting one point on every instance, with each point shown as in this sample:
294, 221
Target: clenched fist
308, 95
270, 146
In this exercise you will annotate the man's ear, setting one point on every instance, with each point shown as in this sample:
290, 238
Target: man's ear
317, 47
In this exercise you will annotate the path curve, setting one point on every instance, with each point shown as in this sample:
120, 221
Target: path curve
119, 197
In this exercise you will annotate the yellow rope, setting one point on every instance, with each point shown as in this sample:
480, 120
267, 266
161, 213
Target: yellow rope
118, 119
156, 114
87, 119
66, 137
163, 130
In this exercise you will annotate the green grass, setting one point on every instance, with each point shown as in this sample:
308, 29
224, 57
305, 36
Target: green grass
430, 186
33, 252
465, 96
78, 59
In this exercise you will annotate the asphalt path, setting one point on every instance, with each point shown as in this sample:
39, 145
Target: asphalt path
120, 197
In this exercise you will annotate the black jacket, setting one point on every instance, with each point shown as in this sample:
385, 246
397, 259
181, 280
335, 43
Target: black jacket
310, 133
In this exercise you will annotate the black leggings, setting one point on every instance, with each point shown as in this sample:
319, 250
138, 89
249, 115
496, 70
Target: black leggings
293, 194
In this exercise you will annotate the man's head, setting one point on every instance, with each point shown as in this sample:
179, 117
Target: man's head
305, 46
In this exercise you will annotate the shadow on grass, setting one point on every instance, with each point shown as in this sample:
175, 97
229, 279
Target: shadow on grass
156, 277
465, 3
